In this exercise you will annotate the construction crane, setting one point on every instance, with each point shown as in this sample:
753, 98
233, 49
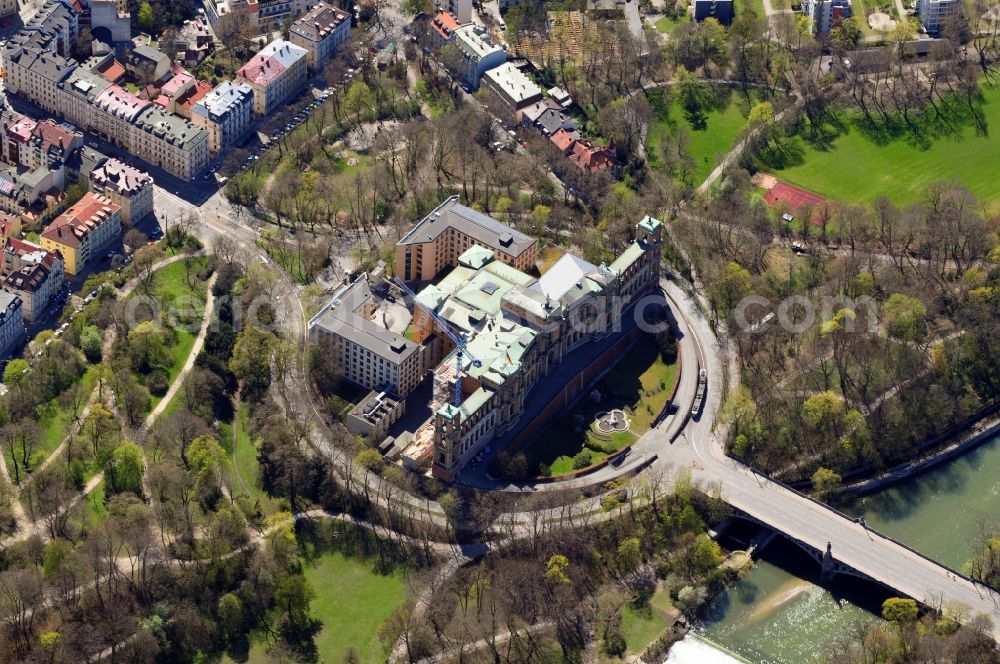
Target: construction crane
457, 338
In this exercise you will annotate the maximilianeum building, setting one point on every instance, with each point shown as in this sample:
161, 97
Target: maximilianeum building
517, 327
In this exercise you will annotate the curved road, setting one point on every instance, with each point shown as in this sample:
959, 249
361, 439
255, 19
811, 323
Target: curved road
699, 448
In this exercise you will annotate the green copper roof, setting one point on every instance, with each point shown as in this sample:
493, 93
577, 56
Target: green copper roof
476, 257
633, 253
649, 224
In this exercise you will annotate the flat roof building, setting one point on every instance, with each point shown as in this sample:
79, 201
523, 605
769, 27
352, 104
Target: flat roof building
512, 86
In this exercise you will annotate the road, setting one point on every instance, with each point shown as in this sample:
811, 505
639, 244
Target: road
796, 515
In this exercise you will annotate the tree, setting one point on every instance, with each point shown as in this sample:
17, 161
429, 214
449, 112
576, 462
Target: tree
904, 317
251, 360
899, 610
91, 341
230, 610
825, 480
146, 18
127, 469
147, 349
16, 373
734, 284
555, 569
360, 101
205, 454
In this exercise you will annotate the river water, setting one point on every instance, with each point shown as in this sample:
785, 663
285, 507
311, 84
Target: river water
778, 615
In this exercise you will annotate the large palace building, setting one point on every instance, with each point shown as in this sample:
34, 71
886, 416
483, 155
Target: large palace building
517, 327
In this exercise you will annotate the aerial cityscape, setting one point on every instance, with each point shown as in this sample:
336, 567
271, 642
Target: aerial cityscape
446, 332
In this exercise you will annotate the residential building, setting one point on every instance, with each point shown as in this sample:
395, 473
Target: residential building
460, 9
77, 94
10, 226
169, 142
33, 273
512, 86
448, 231
50, 145
320, 31
8, 8
33, 195
934, 13
518, 329
374, 414
276, 73
56, 24
368, 354
827, 14
226, 114
35, 72
444, 25
720, 10
474, 54
11, 323
126, 186
84, 231
591, 158
147, 64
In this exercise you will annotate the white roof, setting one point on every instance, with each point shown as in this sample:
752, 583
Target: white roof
513, 81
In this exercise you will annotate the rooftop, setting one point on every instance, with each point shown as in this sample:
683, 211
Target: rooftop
120, 177
345, 317
513, 82
319, 22
444, 23
121, 103
226, 97
171, 128
271, 62
474, 43
487, 231
72, 226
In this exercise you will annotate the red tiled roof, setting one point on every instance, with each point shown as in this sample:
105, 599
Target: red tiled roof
261, 70
590, 158
112, 71
72, 226
23, 128
195, 94
52, 134
563, 139
444, 23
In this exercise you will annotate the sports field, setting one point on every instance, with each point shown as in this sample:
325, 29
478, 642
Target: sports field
856, 169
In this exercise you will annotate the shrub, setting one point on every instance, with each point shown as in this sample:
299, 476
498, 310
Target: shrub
158, 382
582, 459
36, 460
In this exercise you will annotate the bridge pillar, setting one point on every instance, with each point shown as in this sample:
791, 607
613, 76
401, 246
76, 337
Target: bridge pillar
827, 572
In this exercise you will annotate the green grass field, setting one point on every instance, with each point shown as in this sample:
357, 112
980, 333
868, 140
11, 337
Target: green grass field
857, 170
707, 143
666, 24
352, 602
245, 457
644, 625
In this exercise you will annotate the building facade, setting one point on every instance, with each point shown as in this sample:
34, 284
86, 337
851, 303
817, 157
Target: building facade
276, 74
33, 273
366, 352
517, 330
84, 231
11, 323
474, 55
934, 13
320, 31
226, 114
437, 241
125, 186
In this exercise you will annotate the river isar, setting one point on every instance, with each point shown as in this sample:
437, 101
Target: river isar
779, 615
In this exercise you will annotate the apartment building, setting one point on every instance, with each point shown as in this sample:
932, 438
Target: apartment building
32, 273
437, 241
50, 145
126, 186
460, 9
77, 94
35, 72
512, 87
320, 31
475, 54
84, 231
11, 323
8, 8
368, 354
226, 114
277, 73
934, 13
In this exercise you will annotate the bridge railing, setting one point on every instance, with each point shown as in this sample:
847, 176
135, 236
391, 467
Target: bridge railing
877, 533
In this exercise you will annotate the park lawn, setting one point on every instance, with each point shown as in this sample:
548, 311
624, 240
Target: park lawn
352, 602
666, 24
242, 457
642, 626
857, 170
55, 424
707, 144
96, 508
